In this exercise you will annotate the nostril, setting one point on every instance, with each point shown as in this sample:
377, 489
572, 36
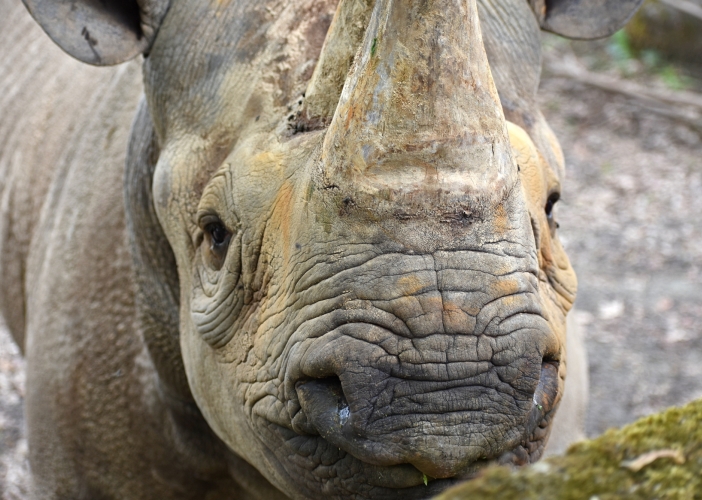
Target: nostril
546, 392
324, 403
330, 387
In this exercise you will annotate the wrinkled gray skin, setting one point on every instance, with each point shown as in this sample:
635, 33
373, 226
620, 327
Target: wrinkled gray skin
284, 296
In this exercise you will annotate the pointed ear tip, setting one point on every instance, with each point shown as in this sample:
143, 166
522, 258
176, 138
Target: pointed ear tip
93, 32
582, 20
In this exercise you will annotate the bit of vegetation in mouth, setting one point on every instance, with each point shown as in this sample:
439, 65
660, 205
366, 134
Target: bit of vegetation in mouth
666, 449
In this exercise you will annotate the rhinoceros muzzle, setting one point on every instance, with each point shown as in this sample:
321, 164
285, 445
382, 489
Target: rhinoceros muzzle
442, 403
421, 371
325, 411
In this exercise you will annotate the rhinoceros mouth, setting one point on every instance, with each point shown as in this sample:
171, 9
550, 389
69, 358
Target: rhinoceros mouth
404, 480
401, 481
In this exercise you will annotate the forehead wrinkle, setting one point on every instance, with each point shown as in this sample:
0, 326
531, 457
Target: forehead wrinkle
232, 64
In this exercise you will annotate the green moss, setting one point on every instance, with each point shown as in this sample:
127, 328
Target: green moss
595, 469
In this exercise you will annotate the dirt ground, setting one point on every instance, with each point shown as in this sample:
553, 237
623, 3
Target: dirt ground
631, 221
13, 446
630, 218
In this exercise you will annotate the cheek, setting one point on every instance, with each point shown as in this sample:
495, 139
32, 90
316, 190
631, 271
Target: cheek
555, 146
553, 261
535, 192
217, 389
217, 296
530, 170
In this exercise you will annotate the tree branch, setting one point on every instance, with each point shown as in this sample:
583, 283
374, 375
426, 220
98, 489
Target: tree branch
685, 6
570, 68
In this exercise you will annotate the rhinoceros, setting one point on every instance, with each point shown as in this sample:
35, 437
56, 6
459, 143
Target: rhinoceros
299, 249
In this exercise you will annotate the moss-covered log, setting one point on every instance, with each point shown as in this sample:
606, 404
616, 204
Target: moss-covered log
669, 31
659, 456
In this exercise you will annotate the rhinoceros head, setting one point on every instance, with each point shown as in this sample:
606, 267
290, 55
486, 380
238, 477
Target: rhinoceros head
369, 292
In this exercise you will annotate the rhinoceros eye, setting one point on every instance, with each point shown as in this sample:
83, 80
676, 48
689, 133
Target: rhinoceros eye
218, 234
218, 237
552, 199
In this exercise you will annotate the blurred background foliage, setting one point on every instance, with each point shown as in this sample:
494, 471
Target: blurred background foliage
663, 40
664, 30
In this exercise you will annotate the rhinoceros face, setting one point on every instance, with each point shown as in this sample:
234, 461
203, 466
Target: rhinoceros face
375, 300
373, 296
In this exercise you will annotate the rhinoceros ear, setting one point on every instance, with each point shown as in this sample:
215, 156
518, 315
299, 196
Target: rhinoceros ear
584, 19
100, 32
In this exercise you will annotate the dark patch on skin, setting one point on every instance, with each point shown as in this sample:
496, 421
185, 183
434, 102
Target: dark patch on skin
88, 38
92, 42
307, 124
253, 42
215, 62
462, 216
254, 107
315, 34
347, 205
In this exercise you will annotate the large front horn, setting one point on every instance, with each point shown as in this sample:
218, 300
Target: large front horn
419, 111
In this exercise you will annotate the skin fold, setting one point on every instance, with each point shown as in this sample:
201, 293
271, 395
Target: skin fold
307, 249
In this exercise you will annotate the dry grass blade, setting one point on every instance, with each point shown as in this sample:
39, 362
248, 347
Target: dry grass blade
648, 458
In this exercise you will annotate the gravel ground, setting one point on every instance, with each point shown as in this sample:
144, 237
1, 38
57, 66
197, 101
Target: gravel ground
13, 446
630, 221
